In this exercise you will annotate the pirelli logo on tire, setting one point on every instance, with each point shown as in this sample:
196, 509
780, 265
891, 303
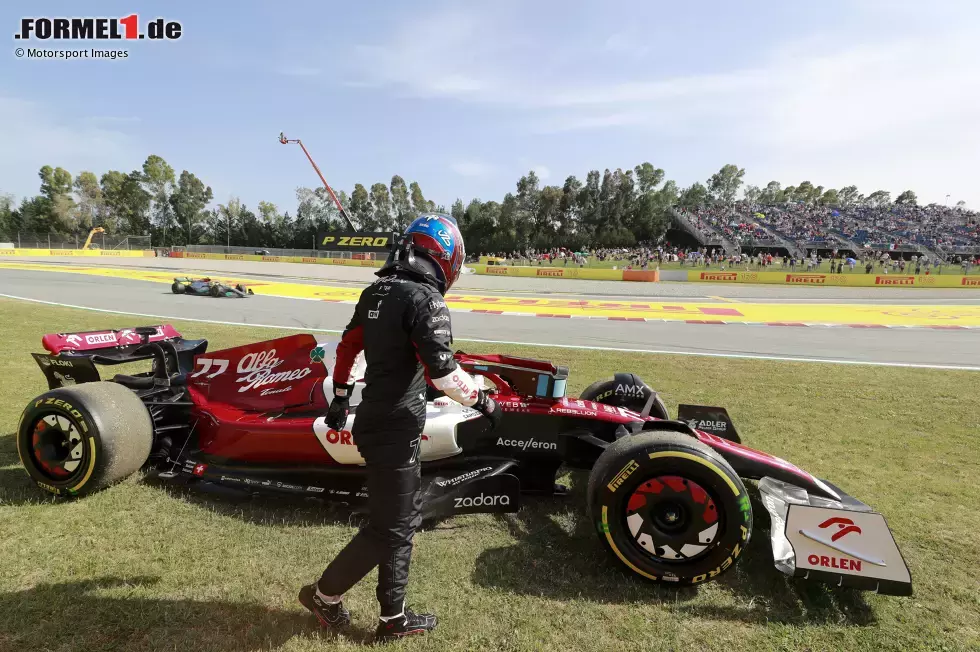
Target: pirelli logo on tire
624, 473
356, 241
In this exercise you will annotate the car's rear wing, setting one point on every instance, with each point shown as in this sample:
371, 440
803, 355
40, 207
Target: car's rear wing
73, 356
56, 343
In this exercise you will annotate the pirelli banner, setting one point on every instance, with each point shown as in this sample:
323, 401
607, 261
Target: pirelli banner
857, 279
378, 242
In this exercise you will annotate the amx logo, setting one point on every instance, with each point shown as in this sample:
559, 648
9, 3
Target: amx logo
97, 29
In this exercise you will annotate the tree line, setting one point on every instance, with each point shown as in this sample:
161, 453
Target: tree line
613, 208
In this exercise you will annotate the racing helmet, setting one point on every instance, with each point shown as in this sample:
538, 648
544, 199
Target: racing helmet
435, 236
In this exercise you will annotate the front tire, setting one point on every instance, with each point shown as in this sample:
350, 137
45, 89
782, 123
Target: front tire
77, 440
177, 288
669, 508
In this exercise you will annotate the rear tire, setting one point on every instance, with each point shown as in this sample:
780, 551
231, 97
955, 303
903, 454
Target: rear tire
177, 288
669, 508
77, 440
214, 291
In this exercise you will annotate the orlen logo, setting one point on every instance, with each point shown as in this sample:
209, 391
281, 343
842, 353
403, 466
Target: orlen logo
719, 276
551, 272
894, 280
972, 282
812, 279
840, 563
845, 526
256, 369
342, 437
101, 338
97, 29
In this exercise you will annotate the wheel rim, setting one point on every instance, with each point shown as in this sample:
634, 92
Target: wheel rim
57, 448
672, 519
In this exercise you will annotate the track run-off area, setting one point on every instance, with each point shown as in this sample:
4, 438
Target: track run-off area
906, 327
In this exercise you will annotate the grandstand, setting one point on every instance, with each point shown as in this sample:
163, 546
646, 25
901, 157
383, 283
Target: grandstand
932, 230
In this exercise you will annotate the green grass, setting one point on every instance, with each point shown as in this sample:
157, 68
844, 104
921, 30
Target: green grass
146, 566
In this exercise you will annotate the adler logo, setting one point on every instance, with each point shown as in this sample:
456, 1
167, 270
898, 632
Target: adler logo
551, 272
811, 279
707, 425
482, 501
895, 280
972, 282
719, 276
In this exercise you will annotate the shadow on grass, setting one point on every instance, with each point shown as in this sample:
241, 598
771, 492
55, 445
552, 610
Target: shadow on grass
114, 613
259, 508
558, 556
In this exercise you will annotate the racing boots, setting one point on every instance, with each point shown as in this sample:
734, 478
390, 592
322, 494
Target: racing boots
405, 625
331, 616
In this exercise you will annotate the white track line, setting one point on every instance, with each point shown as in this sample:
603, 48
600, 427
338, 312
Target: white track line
736, 356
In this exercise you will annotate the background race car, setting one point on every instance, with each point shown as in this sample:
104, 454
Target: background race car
209, 287
668, 498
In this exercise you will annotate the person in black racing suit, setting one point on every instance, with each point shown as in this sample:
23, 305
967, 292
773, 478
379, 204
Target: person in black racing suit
402, 324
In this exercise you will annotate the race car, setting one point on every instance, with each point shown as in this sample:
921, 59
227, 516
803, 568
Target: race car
667, 497
209, 287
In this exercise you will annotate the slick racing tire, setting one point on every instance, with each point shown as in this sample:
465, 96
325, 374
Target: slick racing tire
77, 440
177, 288
215, 291
669, 508
626, 391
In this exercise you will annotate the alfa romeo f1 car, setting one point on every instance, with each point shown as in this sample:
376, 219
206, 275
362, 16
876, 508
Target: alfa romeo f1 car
208, 287
667, 497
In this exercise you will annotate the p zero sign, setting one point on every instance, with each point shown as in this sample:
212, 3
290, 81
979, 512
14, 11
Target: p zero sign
379, 242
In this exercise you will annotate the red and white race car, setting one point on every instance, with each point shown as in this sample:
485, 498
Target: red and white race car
667, 497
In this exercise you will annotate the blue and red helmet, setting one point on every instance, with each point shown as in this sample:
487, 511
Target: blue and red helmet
437, 236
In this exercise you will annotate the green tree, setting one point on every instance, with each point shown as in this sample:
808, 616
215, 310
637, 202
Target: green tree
9, 218
188, 201
848, 196
458, 211
830, 198
381, 200
58, 205
90, 210
401, 203
752, 194
879, 198
724, 184
361, 209
419, 203
159, 180
127, 204
648, 177
907, 198
693, 196
772, 194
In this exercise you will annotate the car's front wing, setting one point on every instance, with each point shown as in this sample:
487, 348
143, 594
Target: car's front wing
842, 542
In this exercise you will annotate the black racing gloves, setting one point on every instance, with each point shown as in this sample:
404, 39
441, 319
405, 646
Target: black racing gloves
488, 408
339, 407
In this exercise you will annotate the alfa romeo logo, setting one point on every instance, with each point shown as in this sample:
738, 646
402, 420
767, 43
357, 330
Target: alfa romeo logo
317, 354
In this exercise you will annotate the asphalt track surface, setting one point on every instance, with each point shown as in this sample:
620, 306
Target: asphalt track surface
916, 347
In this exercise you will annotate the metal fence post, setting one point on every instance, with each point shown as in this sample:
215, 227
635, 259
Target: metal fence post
49, 241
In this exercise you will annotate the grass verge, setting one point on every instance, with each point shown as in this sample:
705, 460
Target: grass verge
146, 566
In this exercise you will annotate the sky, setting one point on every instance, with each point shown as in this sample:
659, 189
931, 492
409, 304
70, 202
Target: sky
465, 97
